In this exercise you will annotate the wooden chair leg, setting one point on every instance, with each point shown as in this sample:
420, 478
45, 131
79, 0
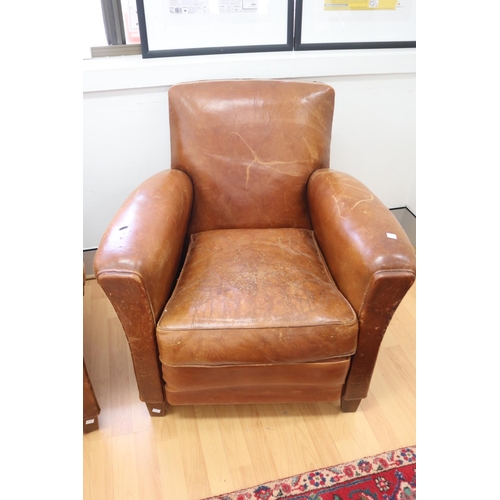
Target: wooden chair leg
157, 409
349, 405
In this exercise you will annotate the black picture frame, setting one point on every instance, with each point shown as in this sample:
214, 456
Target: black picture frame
299, 44
148, 52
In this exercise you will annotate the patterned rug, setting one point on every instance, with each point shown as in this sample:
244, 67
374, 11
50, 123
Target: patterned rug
388, 476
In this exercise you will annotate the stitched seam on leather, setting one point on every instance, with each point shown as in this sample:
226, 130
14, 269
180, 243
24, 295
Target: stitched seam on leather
340, 359
225, 327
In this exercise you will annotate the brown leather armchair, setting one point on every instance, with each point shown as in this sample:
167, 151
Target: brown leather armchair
250, 272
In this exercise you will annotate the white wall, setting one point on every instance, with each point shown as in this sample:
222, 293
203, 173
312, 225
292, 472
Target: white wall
126, 130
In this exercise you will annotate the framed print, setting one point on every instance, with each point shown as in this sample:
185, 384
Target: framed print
196, 27
354, 24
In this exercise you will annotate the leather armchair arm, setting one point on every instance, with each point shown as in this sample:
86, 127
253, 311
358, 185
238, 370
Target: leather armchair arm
137, 262
370, 258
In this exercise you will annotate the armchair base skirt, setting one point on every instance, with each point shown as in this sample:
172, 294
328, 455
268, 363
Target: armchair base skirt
255, 384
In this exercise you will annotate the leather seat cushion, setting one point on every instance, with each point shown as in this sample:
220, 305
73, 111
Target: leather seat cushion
249, 296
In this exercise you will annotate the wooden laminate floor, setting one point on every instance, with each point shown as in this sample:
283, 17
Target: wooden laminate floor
196, 452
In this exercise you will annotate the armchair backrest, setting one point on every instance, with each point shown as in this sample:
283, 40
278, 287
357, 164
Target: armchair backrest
249, 147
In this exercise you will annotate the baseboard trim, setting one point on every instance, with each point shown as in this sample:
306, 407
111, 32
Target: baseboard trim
408, 221
403, 208
88, 261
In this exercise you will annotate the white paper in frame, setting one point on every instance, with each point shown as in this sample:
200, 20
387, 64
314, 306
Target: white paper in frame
191, 27
346, 24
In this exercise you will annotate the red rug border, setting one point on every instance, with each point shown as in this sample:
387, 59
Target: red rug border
273, 482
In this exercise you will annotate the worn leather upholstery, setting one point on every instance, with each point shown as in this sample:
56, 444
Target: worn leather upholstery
251, 272
249, 149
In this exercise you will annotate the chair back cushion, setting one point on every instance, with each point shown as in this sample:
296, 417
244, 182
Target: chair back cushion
249, 147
